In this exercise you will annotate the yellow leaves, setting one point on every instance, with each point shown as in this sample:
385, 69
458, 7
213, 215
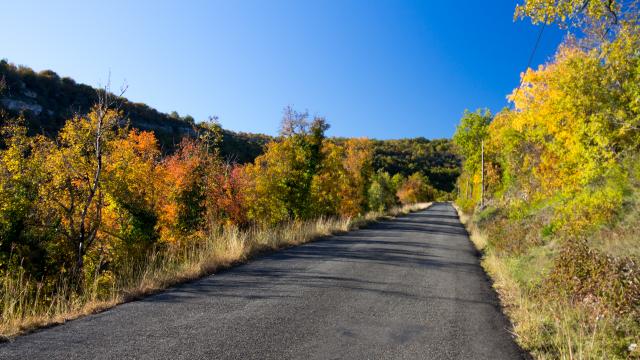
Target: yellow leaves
337, 186
326, 184
594, 14
557, 112
572, 125
591, 208
415, 189
358, 155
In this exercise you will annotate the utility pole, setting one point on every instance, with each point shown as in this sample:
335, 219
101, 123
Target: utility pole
482, 184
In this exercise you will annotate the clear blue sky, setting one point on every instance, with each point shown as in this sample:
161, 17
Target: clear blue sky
382, 69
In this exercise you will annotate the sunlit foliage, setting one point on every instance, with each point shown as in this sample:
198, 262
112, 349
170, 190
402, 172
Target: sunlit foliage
559, 166
414, 189
102, 196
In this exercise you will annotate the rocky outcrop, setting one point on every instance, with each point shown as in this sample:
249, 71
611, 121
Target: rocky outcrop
19, 105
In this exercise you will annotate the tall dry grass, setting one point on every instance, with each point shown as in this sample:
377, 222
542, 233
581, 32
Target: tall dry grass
25, 306
546, 326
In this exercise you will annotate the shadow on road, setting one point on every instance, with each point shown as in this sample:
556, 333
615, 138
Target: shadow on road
385, 245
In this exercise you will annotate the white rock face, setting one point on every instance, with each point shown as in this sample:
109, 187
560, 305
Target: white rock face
17, 105
29, 93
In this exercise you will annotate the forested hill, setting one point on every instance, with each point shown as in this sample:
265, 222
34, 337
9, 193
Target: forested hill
435, 159
47, 100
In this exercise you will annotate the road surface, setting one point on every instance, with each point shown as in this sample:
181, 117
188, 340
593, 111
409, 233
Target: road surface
411, 288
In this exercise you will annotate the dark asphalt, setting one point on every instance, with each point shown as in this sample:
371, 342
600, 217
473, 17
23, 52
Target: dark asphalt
411, 288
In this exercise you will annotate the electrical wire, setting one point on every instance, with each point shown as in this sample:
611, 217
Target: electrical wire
531, 56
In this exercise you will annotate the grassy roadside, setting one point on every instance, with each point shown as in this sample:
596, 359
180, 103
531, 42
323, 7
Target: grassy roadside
546, 325
25, 308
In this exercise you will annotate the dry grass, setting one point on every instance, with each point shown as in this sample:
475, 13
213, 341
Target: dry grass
25, 307
551, 328
478, 239
547, 327
621, 240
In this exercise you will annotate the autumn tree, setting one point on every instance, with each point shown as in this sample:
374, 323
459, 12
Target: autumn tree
414, 189
22, 235
131, 211
226, 202
184, 184
281, 179
306, 139
325, 184
75, 168
571, 12
358, 169
469, 140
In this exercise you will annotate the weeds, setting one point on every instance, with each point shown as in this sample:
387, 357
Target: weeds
565, 302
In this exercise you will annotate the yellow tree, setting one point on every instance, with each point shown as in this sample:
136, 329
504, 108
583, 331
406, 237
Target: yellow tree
131, 172
564, 111
326, 184
414, 189
269, 178
21, 234
280, 180
358, 169
74, 192
567, 12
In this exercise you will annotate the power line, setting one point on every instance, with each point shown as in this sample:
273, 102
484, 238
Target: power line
533, 53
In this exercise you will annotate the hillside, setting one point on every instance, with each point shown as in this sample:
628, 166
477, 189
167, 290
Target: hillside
47, 100
436, 159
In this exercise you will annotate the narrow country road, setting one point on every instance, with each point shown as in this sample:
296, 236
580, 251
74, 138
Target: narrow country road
411, 288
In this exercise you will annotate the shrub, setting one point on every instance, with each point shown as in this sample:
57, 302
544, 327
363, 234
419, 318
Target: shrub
584, 275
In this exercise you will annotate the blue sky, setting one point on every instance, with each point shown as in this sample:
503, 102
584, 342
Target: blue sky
381, 69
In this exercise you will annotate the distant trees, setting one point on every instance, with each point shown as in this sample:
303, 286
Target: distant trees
382, 192
282, 177
386, 191
435, 159
415, 189
306, 175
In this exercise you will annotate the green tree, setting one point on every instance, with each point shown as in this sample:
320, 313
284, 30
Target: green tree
306, 140
469, 135
382, 193
22, 243
283, 177
469, 141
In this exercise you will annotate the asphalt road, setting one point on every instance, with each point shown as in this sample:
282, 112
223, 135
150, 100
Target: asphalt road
410, 288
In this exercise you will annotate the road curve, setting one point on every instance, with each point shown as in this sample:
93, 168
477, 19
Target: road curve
411, 288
